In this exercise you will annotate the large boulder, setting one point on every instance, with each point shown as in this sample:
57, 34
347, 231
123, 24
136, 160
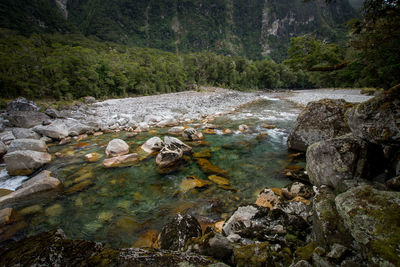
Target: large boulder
190, 134
176, 143
27, 119
320, 120
56, 130
3, 149
33, 189
27, 144
333, 161
22, 133
372, 217
378, 119
178, 231
169, 156
22, 104
152, 145
25, 162
117, 147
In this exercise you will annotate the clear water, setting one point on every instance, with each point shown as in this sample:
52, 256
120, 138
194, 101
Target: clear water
121, 203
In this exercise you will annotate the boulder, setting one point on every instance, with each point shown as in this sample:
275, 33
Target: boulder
121, 161
168, 123
169, 156
244, 128
332, 161
22, 133
89, 100
190, 134
117, 147
371, 216
55, 249
3, 149
22, 104
178, 231
27, 119
27, 144
53, 113
75, 127
6, 137
268, 198
25, 162
34, 188
56, 130
177, 130
142, 127
176, 143
378, 119
320, 120
93, 157
152, 145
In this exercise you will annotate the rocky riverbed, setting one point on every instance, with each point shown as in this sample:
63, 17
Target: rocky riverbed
341, 211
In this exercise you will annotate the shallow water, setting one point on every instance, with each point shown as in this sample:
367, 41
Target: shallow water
116, 205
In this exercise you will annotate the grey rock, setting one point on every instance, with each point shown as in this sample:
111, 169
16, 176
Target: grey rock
27, 119
190, 134
89, 100
75, 127
25, 162
177, 130
117, 147
152, 145
169, 156
27, 144
7, 137
378, 119
320, 120
173, 142
22, 133
178, 231
53, 113
56, 130
337, 251
36, 187
22, 104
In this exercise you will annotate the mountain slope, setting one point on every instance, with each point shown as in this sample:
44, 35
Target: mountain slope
250, 28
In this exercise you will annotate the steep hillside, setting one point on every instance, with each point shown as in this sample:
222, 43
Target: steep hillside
250, 28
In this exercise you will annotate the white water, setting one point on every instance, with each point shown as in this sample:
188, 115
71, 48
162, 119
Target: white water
10, 182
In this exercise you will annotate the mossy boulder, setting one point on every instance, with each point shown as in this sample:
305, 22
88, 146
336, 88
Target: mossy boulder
320, 120
372, 217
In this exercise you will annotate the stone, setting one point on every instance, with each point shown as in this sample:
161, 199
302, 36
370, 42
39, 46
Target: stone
55, 130
121, 161
209, 131
97, 133
268, 198
169, 156
153, 144
227, 131
332, 161
22, 133
205, 153
168, 123
6, 216
89, 100
55, 249
54, 210
300, 189
320, 120
258, 254
40, 185
142, 127
178, 231
7, 137
191, 134
75, 127
243, 216
27, 119
65, 141
93, 157
3, 149
244, 128
378, 119
394, 183
27, 144
117, 147
22, 104
177, 130
25, 162
337, 251
371, 216
31, 210
208, 168
269, 126
219, 180
79, 186
176, 143
53, 113
191, 182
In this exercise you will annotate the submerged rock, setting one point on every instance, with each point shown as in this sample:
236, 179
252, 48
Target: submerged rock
207, 167
190, 134
93, 157
191, 182
320, 120
178, 231
117, 147
27, 144
121, 161
25, 162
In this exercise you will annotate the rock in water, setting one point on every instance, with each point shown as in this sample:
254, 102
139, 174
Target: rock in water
378, 119
152, 145
169, 156
190, 134
117, 147
35, 187
177, 130
320, 120
25, 162
93, 157
121, 161
178, 231
176, 143
27, 144
22, 104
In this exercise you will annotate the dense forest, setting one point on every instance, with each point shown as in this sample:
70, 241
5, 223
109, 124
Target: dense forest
69, 66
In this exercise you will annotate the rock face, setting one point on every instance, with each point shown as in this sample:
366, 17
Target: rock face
121, 161
371, 216
179, 230
32, 189
332, 161
152, 145
25, 162
27, 119
54, 249
117, 147
190, 134
378, 119
27, 144
22, 104
22, 133
319, 121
